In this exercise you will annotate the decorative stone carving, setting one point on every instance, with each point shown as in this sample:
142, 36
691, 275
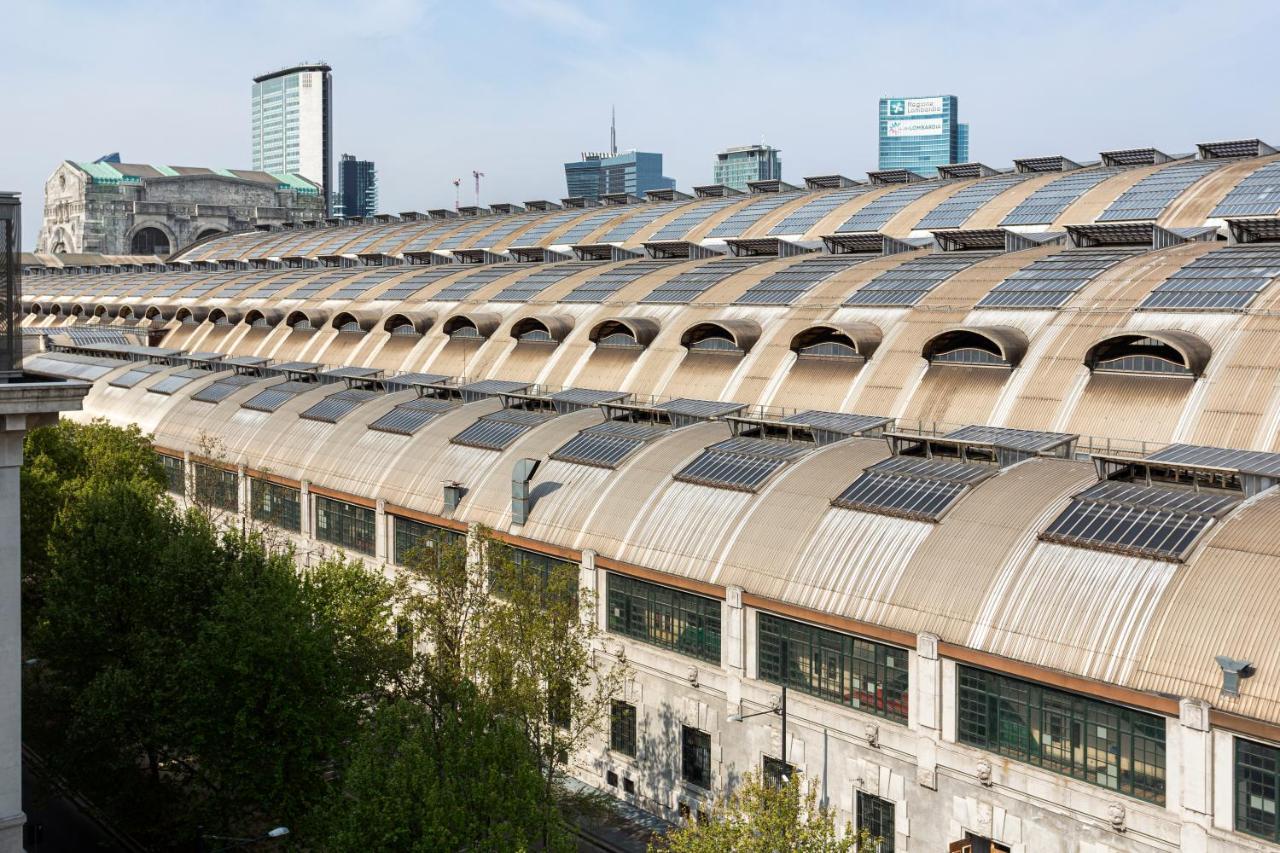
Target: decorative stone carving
1116, 814
927, 778
692, 676
872, 733
983, 772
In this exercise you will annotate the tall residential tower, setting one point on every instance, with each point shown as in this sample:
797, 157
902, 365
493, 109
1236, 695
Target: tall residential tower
922, 133
740, 164
293, 123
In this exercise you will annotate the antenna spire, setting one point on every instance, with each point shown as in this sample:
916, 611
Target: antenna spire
613, 131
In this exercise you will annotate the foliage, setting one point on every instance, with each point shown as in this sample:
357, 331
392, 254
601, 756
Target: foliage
761, 817
458, 777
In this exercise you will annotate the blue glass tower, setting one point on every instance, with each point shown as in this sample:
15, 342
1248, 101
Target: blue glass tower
922, 133
635, 172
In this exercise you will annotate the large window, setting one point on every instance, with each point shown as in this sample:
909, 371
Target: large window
347, 525
681, 621
411, 534
695, 757
875, 815
1097, 742
274, 504
217, 487
869, 676
175, 474
622, 728
551, 572
1257, 788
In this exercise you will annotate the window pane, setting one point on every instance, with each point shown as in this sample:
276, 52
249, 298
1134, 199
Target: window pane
1100, 743
695, 757
345, 525
622, 728
875, 815
175, 474
411, 534
1257, 782
669, 618
276, 504
216, 487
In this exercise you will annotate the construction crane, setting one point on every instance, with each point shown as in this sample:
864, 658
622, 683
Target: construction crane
457, 194
478, 176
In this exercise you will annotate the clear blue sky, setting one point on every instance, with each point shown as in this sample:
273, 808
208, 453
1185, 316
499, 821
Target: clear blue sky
514, 88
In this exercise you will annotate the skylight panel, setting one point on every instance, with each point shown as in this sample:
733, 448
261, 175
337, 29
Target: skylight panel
581, 230
874, 215
606, 445
132, 377
546, 224
786, 286
809, 214
1148, 198
627, 229
1047, 203
177, 381
468, 284
409, 417
912, 487
539, 280
689, 284
909, 282
1050, 281
498, 430
605, 284
222, 389
271, 399
337, 406
420, 280
1256, 195
1221, 280
954, 212
692, 217
740, 220
739, 464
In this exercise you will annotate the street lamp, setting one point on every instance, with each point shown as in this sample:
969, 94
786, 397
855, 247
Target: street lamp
780, 709
238, 843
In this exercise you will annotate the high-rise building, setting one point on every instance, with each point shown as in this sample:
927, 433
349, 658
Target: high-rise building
293, 123
357, 187
922, 133
597, 174
736, 166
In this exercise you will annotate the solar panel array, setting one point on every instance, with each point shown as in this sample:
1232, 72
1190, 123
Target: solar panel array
337, 406
874, 215
1246, 461
829, 427
134, 375
742, 219
471, 282
1047, 203
540, 279
687, 285
1050, 281
811, 213
1147, 521
409, 417
367, 282
222, 389
684, 411
740, 464
692, 217
627, 229
321, 281
1224, 280
912, 487
606, 445
456, 238
953, 212
425, 277
425, 236
607, 283
1148, 198
270, 399
177, 381
584, 228
786, 286
1256, 195
545, 226
1029, 440
909, 282
498, 430
69, 365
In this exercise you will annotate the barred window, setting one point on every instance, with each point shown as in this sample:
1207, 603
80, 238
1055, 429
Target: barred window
216, 487
175, 474
665, 617
1257, 788
776, 772
1097, 742
346, 525
695, 757
862, 674
622, 728
875, 815
410, 534
275, 504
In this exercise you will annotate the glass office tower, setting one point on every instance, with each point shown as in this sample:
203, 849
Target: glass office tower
736, 166
293, 124
358, 187
633, 172
922, 133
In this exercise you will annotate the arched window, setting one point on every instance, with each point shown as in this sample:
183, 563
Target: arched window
191, 316
224, 317
1173, 353
730, 337
470, 327
624, 333
543, 330
305, 321
408, 325
149, 241
464, 329
985, 346
621, 339
830, 342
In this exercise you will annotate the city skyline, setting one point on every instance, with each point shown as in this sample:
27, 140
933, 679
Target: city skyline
386, 110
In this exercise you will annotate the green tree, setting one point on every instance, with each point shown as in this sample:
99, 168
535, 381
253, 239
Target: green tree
456, 777
760, 817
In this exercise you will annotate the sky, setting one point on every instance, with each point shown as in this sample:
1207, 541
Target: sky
514, 88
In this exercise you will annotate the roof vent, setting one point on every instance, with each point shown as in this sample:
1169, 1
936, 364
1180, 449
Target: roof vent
1260, 230
829, 182
506, 207
1234, 148
1054, 163
579, 201
442, 213
620, 198
472, 210
521, 474
541, 204
666, 194
1135, 157
453, 492
1232, 671
772, 185
715, 191
894, 176
412, 216
966, 170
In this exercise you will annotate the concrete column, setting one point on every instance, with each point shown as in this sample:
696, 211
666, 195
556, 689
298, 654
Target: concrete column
243, 497
381, 529
925, 708
733, 634
304, 508
11, 818
589, 582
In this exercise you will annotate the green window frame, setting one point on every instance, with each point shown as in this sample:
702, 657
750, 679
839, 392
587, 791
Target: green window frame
175, 474
661, 616
1107, 745
855, 672
875, 815
408, 534
542, 565
695, 757
216, 487
347, 525
622, 727
275, 504
1257, 781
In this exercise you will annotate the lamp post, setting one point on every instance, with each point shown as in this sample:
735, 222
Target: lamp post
237, 843
781, 709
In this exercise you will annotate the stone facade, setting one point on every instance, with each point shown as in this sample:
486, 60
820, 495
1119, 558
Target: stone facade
83, 213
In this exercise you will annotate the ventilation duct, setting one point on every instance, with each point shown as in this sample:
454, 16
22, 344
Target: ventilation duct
521, 474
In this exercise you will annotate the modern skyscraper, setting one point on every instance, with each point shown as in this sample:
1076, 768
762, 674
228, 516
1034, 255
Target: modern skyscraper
358, 187
922, 133
600, 173
736, 166
293, 123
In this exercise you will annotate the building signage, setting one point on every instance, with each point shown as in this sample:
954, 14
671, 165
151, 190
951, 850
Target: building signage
914, 127
907, 107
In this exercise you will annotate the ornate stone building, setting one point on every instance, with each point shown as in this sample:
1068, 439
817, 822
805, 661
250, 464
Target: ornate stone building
128, 208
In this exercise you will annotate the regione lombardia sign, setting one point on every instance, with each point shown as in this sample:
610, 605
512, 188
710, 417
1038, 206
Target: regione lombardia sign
907, 107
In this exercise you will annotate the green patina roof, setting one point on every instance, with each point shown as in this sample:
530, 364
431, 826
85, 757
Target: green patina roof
104, 173
226, 173
289, 181
165, 170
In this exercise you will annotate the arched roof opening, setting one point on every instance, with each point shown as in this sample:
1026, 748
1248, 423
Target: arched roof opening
163, 313
355, 322
476, 325
263, 318
977, 346
225, 316
837, 341
541, 329
306, 319
1159, 352
727, 337
409, 323
624, 332
191, 315
149, 241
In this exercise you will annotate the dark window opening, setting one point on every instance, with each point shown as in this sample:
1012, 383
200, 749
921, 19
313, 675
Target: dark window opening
695, 757
622, 728
875, 815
